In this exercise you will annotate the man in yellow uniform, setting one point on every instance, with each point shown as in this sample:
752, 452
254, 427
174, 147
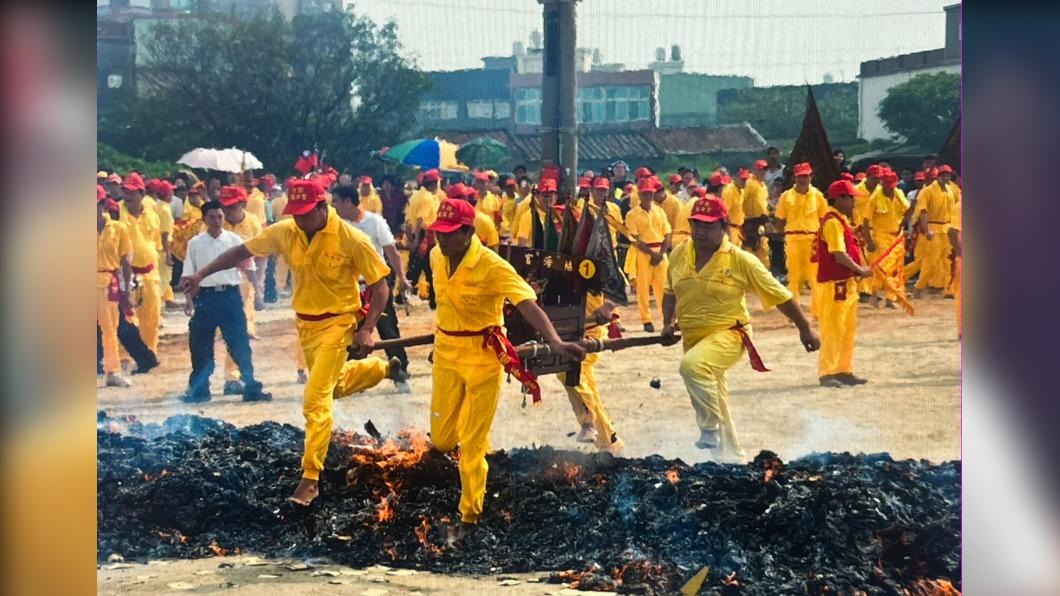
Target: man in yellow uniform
839, 265
245, 225
732, 196
113, 275
284, 282
650, 233
484, 226
370, 200
798, 214
598, 198
487, 203
596, 426
882, 219
419, 214
145, 232
706, 284
473, 285
954, 236
162, 192
543, 203
509, 203
756, 212
934, 209
667, 200
865, 187
326, 256
682, 228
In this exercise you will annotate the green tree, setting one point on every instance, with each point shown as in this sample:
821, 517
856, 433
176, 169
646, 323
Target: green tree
271, 86
777, 112
923, 109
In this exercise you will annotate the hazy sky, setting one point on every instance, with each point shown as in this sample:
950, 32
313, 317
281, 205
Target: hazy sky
774, 41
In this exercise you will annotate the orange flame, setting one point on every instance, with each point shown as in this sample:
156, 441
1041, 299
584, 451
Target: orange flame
570, 472
673, 475
409, 447
386, 512
216, 549
932, 587
422, 533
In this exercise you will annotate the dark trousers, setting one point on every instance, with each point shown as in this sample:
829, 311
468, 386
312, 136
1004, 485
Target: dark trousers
777, 260
219, 309
270, 279
417, 266
129, 338
178, 271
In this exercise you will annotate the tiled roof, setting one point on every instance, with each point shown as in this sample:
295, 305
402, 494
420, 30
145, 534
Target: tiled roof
730, 138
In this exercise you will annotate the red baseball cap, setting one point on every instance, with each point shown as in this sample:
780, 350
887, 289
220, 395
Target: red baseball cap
918, 177
232, 194
709, 209
547, 185
452, 215
602, 182
761, 164
303, 196
133, 181
676, 179
584, 182
100, 193
803, 169
628, 188
510, 182
431, 176
716, 180
455, 191
889, 179
841, 188
847, 176
482, 177
642, 173
725, 179
743, 173
874, 171
366, 180
945, 169
164, 188
699, 191
113, 179
646, 185
860, 176
931, 174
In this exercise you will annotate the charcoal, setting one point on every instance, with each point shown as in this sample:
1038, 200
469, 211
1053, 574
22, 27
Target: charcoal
832, 523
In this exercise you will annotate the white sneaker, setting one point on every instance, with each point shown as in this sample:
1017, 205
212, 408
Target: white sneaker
116, 380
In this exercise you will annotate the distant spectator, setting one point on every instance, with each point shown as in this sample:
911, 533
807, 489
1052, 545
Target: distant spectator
840, 160
774, 169
394, 201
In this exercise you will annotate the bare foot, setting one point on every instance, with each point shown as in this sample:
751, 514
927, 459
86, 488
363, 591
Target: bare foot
306, 493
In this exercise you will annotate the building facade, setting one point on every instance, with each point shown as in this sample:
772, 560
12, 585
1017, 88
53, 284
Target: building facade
877, 77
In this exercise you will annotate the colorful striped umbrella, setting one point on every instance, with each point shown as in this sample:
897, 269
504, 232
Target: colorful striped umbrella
426, 154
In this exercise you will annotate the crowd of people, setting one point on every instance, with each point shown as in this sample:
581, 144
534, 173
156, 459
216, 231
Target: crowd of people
347, 252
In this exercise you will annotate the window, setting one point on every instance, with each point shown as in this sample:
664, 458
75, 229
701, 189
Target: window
480, 108
438, 110
528, 106
502, 109
613, 104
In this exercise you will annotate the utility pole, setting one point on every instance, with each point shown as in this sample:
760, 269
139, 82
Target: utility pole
559, 123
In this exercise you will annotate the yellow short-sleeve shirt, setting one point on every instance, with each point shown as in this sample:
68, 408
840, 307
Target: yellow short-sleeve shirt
490, 205
145, 231
802, 212
326, 270
486, 230
246, 229
471, 299
713, 298
732, 195
937, 202
755, 199
885, 213
372, 202
112, 245
256, 204
671, 206
649, 226
423, 205
832, 233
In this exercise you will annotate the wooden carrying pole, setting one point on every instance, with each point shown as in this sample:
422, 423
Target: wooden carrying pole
534, 349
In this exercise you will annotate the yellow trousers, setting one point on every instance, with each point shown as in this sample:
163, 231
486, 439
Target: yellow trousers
299, 354
798, 249
463, 403
918, 257
935, 271
957, 296
149, 311
762, 251
246, 290
165, 271
736, 234
585, 401
893, 265
707, 357
837, 307
324, 343
107, 318
649, 278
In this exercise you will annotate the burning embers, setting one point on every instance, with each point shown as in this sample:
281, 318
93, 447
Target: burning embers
831, 523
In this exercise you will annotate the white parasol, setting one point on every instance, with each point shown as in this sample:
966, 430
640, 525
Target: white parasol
222, 160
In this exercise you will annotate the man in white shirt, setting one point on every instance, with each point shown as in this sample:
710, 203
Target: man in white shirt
217, 304
347, 202
774, 169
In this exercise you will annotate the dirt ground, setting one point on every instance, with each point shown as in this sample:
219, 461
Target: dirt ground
910, 408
